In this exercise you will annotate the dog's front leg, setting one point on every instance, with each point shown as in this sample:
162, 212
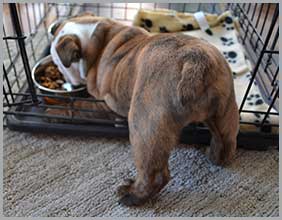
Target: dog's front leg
152, 135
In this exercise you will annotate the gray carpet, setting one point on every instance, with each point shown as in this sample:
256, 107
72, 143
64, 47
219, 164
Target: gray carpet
50, 175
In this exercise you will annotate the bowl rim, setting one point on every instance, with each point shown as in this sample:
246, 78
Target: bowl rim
41, 61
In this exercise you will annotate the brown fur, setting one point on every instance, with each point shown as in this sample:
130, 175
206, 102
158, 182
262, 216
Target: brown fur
161, 83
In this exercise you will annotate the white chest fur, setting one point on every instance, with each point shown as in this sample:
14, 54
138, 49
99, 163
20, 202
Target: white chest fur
83, 31
76, 73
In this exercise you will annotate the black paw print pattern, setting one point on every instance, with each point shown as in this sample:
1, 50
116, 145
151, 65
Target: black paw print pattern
249, 76
146, 24
261, 116
187, 27
258, 122
209, 32
227, 41
228, 23
163, 30
230, 56
254, 99
234, 75
190, 27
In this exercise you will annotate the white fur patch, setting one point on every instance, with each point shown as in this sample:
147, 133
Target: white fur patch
77, 72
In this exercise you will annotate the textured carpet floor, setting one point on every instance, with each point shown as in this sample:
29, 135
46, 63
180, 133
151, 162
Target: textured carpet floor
50, 175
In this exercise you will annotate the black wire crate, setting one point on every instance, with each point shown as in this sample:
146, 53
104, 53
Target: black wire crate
26, 41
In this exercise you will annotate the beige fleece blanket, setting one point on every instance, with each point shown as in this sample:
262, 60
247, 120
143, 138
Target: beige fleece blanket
223, 34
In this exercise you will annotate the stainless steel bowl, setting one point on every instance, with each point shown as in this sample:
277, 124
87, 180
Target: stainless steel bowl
71, 90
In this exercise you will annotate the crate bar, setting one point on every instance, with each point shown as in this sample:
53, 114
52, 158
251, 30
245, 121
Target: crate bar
258, 124
270, 107
262, 84
8, 83
11, 62
16, 57
5, 121
112, 10
39, 11
265, 18
275, 76
65, 107
274, 19
6, 97
96, 6
73, 109
99, 100
254, 11
34, 16
37, 25
23, 103
183, 8
248, 10
250, 140
259, 15
271, 49
29, 39
271, 59
20, 14
112, 113
273, 90
19, 71
258, 19
57, 11
244, 5
259, 112
68, 118
61, 97
262, 81
13, 38
213, 8
71, 129
30, 31
269, 73
98, 9
248, 23
17, 27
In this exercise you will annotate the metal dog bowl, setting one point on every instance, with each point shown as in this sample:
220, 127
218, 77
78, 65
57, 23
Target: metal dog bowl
70, 91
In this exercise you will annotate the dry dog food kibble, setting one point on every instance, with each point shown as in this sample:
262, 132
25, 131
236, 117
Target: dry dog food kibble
52, 78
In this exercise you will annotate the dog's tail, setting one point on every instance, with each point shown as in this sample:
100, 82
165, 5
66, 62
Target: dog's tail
196, 75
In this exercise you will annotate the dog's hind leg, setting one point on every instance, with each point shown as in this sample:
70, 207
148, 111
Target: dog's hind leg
152, 135
224, 129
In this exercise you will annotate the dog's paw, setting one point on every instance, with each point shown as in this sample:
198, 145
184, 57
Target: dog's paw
127, 196
130, 199
220, 159
124, 189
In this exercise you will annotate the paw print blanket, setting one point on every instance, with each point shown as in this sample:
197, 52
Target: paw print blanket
222, 32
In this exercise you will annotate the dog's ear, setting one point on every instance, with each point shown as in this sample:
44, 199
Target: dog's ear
69, 49
53, 27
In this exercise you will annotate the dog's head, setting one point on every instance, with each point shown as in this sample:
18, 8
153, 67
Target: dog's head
68, 48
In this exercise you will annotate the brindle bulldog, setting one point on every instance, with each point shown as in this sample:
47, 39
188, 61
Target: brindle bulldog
159, 82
